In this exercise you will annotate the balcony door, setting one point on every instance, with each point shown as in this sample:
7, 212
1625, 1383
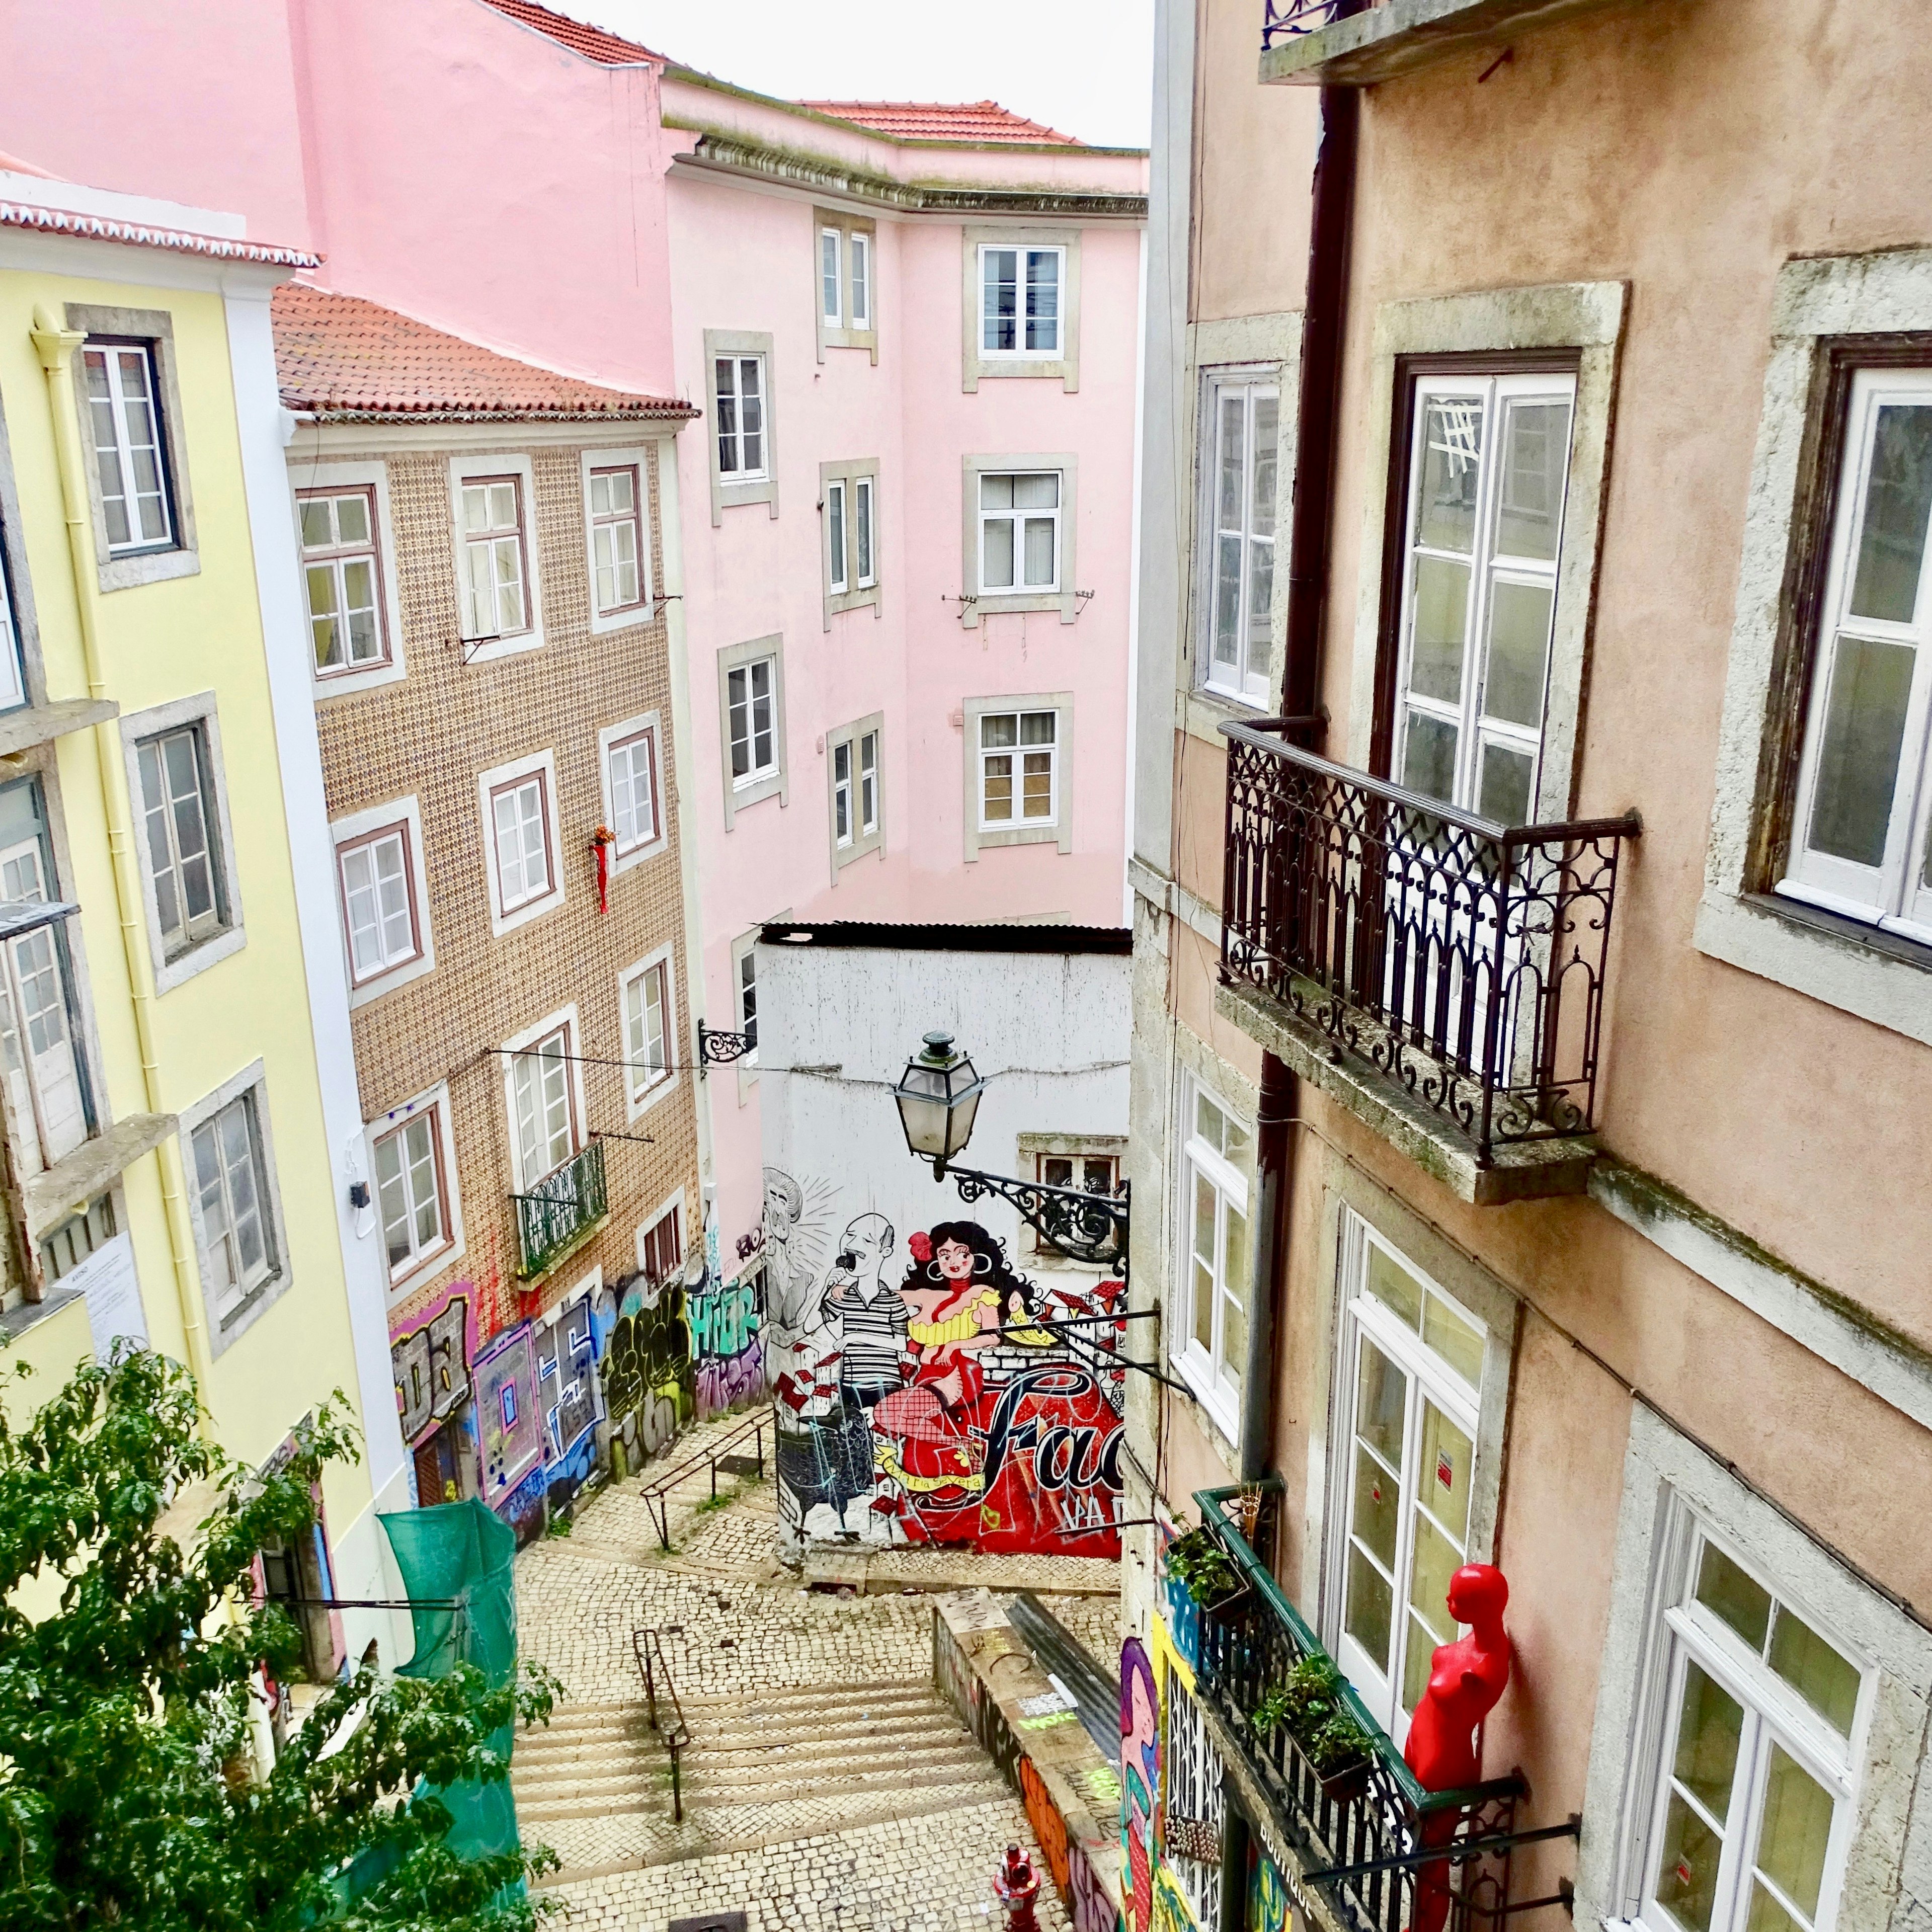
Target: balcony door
36, 1045
543, 1096
1414, 1365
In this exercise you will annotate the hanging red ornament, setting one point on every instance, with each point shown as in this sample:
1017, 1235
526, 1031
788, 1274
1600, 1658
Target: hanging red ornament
601, 840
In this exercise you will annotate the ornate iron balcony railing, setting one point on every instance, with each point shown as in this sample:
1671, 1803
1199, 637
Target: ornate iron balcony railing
1463, 961
1303, 16
560, 1208
1359, 1849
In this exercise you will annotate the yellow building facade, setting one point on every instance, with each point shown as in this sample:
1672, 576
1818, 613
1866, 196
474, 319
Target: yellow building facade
173, 1170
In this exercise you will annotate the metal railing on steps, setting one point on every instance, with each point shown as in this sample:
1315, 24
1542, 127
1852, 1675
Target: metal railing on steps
726, 1454
648, 1648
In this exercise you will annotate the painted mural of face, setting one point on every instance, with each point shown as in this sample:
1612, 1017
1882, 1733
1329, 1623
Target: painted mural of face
863, 1250
954, 1260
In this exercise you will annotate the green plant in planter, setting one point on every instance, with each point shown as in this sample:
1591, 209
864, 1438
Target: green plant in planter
1202, 1567
1307, 1704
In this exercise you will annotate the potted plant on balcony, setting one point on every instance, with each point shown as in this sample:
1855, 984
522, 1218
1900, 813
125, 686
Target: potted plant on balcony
1307, 1704
1203, 1568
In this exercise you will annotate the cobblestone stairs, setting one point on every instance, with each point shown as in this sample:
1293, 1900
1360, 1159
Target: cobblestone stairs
762, 1768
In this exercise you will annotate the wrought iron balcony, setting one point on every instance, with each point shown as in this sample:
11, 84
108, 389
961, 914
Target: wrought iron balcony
1353, 43
561, 1210
1360, 1857
1455, 965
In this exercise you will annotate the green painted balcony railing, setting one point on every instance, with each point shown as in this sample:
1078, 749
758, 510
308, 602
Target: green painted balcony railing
1249, 1643
561, 1209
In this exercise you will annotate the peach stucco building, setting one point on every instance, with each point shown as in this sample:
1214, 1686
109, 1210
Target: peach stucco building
1534, 998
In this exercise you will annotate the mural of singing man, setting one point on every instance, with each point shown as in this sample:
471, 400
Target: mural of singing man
872, 1315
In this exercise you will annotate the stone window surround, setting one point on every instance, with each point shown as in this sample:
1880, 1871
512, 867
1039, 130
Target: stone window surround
403, 1285
252, 1079
1060, 831
747, 1065
863, 842
635, 456
537, 764
1064, 368
763, 490
1585, 317
977, 605
408, 813
1667, 1479
232, 935
465, 468
616, 734
156, 328
20, 584
735, 657
310, 474
567, 1019
853, 597
847, 225
634, 1108
1818, 301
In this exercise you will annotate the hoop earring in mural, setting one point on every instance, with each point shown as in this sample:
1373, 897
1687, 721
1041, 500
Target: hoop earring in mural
933, 1272
982, 1264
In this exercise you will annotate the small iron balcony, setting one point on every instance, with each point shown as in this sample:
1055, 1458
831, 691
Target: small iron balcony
1354, 43
1456, 966
560, 1210
1358, 1849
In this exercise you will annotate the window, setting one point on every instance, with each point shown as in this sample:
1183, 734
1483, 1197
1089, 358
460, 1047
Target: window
1215, 1262
123, 412
869, 782
660, 1246
1861, 822
343, 577
1019, 533
1414, 1371
856, 800
495, 599
543, 1105
750, 690
1488, 465
411, 1193
861, 508
1241, 436
647, 1030
841, 794
1091, 1173
13, 680
518, 806
230, 1183
1753, 1776
38, 1051
748, 1003
862, 281
836, 566
1195, 1806
1019, 783
630, 772
617, 572
831, 285
741, 417
178, 819
1020, 306
377, 874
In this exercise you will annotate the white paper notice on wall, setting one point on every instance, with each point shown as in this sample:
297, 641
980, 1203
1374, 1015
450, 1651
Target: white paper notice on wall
113, 1291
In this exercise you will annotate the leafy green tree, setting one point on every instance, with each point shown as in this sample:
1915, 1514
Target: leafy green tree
126, 1796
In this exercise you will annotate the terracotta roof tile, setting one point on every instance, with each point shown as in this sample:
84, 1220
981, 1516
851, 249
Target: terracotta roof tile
342, 359
145, 235
592, 42
973, 121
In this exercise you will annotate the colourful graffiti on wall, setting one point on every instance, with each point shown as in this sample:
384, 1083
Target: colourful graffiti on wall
727, 1351
647, 1366
1140, 1780
943, 1398
430, 1360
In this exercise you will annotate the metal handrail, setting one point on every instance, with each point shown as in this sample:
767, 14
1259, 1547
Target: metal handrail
656, 1494
647, 1647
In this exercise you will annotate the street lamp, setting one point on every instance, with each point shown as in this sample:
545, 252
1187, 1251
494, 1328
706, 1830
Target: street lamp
938, 1097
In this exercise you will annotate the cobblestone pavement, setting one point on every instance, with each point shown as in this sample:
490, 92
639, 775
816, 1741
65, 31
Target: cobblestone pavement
827, 1785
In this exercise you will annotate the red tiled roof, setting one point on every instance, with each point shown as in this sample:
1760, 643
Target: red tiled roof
145, 235
941, 121
341, 359
592, 42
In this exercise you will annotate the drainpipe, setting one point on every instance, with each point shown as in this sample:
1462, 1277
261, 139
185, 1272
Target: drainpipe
55, 346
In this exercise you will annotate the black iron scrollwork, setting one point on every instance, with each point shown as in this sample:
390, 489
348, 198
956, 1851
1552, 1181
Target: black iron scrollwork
1082, 1225
717, 1048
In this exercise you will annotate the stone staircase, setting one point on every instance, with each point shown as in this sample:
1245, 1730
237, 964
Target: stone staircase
762, 1768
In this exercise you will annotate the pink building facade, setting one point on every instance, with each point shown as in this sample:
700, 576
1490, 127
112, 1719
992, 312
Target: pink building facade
900, 595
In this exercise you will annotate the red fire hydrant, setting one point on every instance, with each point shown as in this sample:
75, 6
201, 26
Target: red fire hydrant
1016, 1885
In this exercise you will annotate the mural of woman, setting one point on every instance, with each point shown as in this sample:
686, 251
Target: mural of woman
1140, 1780
954, 1296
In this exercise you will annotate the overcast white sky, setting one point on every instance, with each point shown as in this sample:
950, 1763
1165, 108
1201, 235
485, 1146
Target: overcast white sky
1085, 67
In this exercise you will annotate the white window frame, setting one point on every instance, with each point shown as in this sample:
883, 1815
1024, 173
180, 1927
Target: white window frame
1018, 517
405, 815
861, 839
858, 276
767, 781
980, 603
429, 1118
1478, 729
541, 765
845, 586
1019, 750
435, 1103
744, 949
251, 1084
308, 476
865, 532
473, 469
1248, 681
1431, 1377
623, 616
230, 935
1895, 895
110, 353
1204, 1370
1023, 253
332, 557
838, 539
736, 487
640, 1097
979, 835
564, 1020
846, 323
1062, 363
749, 370
832, 284
646, 725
